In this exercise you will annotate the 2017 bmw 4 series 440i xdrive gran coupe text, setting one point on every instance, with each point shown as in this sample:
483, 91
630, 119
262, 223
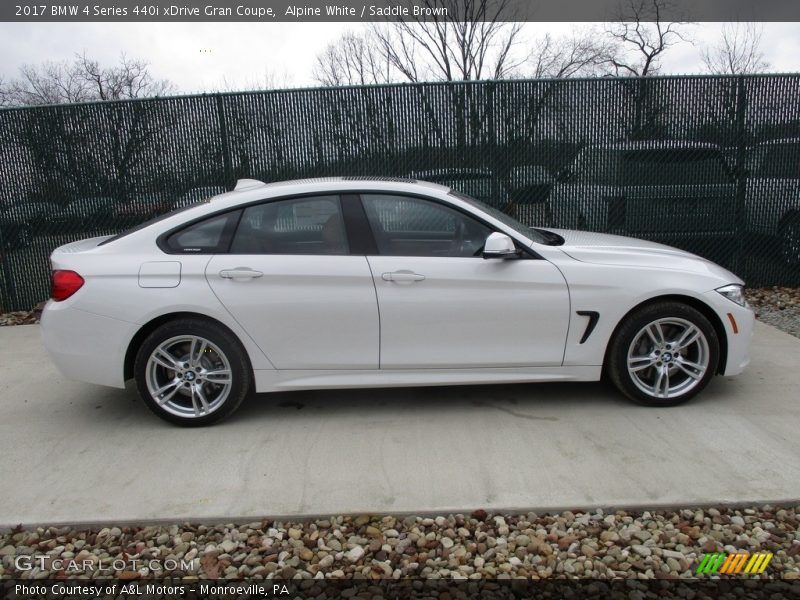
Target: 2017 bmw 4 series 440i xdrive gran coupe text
353, 282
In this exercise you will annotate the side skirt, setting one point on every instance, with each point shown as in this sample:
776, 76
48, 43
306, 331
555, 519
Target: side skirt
274, 381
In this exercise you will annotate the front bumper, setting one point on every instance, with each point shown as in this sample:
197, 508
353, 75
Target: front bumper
739, 322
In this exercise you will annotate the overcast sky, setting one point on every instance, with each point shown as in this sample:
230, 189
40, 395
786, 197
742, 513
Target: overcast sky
201, 57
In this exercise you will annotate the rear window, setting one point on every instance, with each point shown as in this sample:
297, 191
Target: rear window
210, 235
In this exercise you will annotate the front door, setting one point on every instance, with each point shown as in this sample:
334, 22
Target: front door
442, 305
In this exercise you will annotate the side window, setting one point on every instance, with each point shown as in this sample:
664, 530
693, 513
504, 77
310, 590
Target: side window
405, 226
208, 236
312, 225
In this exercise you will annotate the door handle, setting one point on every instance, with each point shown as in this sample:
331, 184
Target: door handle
240, 273
402, 276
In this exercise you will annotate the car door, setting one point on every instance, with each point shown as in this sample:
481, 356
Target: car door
291, 282
442, 305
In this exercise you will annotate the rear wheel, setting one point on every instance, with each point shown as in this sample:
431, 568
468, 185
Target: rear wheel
663, 354
192, 372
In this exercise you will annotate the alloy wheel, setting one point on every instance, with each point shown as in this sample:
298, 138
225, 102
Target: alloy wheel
188, 376
668, 357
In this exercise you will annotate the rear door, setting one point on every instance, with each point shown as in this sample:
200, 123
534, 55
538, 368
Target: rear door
291, 282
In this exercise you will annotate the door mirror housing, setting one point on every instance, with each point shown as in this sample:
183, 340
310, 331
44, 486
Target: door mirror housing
499, 245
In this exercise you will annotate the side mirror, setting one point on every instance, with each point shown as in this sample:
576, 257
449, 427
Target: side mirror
499, 245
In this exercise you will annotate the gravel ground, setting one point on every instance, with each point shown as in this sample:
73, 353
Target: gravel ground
777, 306
622, 544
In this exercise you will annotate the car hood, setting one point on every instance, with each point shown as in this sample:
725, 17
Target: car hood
605, 249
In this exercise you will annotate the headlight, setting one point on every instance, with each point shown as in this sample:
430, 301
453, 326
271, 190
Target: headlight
734, 293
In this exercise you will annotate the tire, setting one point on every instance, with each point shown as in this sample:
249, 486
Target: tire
200, 390
790, 240
655, 374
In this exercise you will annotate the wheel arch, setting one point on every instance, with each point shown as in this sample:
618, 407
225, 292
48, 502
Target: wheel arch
695, 303
155, 323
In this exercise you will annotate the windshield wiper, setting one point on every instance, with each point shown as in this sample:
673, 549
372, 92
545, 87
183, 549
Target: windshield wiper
550, 238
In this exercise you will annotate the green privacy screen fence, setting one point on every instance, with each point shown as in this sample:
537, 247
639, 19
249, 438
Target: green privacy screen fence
710, 164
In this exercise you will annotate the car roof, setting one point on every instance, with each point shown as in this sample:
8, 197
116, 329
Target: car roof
247, 190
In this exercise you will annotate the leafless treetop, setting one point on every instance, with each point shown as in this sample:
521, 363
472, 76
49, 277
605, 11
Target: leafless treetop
738, 50
82, 80
641, 36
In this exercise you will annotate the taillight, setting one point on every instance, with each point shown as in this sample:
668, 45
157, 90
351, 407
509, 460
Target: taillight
64, 284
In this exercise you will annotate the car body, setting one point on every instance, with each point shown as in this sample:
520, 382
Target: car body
663, 189
772, 199
354, 282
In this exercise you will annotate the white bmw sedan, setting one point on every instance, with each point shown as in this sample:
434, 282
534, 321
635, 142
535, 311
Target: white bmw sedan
354, 282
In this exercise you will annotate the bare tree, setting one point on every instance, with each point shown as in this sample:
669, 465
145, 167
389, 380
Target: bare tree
473, 40
738, 51
354, 59
581, 53
269, 79
5, 100
128, 79
83, 80
641, 36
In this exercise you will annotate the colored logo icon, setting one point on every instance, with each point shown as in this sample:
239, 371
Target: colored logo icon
734, 564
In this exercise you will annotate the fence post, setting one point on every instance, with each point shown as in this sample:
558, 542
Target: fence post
741, 171
226, 146
491, 142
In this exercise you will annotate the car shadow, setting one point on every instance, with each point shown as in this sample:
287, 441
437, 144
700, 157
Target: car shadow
535, 402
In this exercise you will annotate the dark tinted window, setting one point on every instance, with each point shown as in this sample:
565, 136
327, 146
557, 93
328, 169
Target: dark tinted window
209, 235
405, 226
311, 225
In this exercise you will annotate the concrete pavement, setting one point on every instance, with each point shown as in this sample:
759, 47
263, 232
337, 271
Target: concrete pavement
76, 453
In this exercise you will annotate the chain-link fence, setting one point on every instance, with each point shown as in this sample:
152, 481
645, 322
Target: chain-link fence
710, 164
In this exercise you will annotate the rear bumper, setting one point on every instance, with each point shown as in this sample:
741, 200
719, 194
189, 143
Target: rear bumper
85, 346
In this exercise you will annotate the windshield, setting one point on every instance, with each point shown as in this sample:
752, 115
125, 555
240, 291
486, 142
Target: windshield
533, 234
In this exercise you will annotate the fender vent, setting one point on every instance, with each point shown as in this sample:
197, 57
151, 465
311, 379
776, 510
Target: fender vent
594, 316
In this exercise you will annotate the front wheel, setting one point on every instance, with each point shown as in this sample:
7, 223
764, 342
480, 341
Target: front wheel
663, 354
192, 372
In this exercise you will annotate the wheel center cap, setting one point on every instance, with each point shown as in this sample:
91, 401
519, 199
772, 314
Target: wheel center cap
666, 357
189, 376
